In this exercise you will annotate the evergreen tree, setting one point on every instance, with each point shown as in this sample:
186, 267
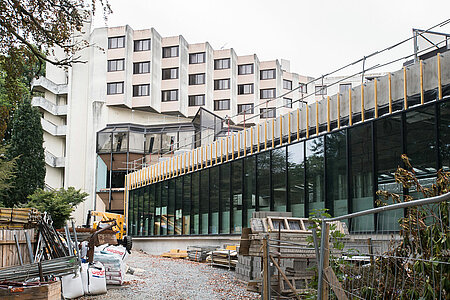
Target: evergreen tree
26, 143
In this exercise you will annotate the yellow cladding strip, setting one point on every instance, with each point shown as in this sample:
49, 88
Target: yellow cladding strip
307, 121
289, 128
273, 133
375, 93
350, 121
232, 146
362, 103
257, 133
317, 117
338, 110
265, 135
390, 92
328, 114
251, 140
439, 76
281, 130
405, 97
421, 83
298, 124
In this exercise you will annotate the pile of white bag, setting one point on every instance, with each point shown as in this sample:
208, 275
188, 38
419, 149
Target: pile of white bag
112, 258
90, 280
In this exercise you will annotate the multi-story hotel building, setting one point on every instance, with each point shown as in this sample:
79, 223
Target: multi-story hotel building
139, 96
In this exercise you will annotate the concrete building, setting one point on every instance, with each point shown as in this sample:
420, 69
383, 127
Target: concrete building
136, 98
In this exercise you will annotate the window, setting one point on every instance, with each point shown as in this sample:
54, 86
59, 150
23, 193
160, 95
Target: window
169, 95
116, 65
287, 84
223, 104
287, 102
245, 69
114, 88
245, 109
141, 67
268, 74
244, 89
267, 93
303, 88
268, 113
170, 51
141, 90
196, 100
321, 90
220, 64
116, 42
142, 45
344, 87
195, 79
171, 73
222, 84
197, 58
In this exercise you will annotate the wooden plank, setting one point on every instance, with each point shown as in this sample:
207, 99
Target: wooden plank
326, 258
335, 284
285, 278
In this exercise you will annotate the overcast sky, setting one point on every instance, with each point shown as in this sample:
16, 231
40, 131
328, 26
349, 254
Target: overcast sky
316, 36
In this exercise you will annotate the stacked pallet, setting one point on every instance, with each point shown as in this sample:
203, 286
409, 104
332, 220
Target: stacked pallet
18, 218
223, 258
199, 253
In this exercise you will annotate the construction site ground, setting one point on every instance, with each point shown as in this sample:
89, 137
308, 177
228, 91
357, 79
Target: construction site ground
167, 278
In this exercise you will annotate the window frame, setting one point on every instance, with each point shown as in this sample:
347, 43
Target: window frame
137, 88
196, 55
169, 92
218, 86
288, 86
263, 96
266, 74
243, 88
190, 97
138, 64
194, 77
287, 102
217, 106
242, 69
219, 62
169, 71
320, 90
109, 69
241, 109
108, 84
116, 38
268, 113
171, 54
139, 42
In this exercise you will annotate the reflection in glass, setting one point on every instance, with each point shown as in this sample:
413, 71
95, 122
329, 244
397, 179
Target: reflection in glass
187, 204
136, 143
151, 210
120, 142
195, 203
158, 208
145, 210
279, 178
249, 188
164, 204
263, 180
171, 208
225, 197
336, 160
444, 135
178, 205
315, 173
236, 190
204, 200
214, 200
296, 179
104, 142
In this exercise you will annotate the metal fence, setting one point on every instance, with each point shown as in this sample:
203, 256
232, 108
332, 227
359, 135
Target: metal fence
398, 251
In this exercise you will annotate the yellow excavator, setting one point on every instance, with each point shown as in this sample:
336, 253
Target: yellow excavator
107, 219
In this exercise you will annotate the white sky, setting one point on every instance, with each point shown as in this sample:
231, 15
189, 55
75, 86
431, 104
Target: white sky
316, 36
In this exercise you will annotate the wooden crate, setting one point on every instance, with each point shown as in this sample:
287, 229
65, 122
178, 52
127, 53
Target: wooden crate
44, 291
8, 249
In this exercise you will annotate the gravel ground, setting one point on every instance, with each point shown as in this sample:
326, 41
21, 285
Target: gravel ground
166, 278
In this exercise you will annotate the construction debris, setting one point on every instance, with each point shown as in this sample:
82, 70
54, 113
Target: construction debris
223, 258
11, 290
199, 253
175, 253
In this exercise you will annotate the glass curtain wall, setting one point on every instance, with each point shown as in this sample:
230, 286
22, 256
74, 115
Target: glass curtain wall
315, 174
278, 171
263, 180
224, 194
249, 187
236, 192
296, 178
214, 200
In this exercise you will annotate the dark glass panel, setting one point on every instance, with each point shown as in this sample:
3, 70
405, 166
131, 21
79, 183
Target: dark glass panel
187, 204
444, 135
164, 205
171, 208
315, 173
157, 208
336, 162
296, 179
145, 210
236, 189
361, 176
279, 178
204, 200
178, 205
214, 199
249, 188
225, 197
263, 180
130, 212
195, 203
151, 210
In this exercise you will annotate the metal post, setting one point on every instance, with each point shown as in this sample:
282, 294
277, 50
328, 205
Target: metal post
76, 240
30, 249
316, 245
322, 255
18, 250
265, 287
68, 240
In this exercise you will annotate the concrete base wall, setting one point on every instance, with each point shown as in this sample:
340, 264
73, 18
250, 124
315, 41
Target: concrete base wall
159, 245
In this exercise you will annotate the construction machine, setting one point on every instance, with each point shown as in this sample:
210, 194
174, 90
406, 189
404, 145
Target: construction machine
118, 222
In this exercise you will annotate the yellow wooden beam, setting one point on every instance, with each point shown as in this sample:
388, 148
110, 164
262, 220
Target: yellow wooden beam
421, 83
298, 124
317, 117
362, 103
405, 97
350, 114
328, 114
375, 95
338, 110
307, 121
439, 76
390, 92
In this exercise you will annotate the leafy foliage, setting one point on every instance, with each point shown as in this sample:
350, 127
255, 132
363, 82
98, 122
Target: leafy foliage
26, 144
59, 204
7, 167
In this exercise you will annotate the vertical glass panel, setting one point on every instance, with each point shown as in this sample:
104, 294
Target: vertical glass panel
158, 208
249, 188
204, 201
178, 205
225, 197
152, 143
151, 210
444, 135
120, 141
388, 143
171, 208
315, 173
104, 142
279, 178
263, 180
164, 205
296, 179
145, 210
195, 203
136, 142
421, 140
361, 177
187, 204
138, 212
336, 161
214, 199
236, 190
131, 212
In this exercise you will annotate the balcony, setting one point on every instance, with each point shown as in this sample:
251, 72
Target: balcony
43, 84
56, 110
53, 129
54, 161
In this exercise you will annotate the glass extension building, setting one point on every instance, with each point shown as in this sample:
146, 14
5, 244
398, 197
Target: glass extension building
314, 158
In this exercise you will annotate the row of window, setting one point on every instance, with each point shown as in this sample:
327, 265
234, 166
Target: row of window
119, 42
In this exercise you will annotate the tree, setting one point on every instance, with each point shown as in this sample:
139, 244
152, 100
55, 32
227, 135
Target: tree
26, 144
59, 204
7, 167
